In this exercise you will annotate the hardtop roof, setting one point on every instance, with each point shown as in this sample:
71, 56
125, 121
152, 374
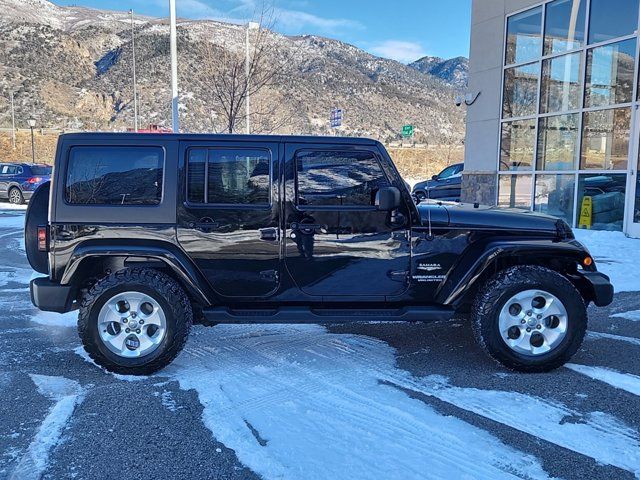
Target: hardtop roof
104, 136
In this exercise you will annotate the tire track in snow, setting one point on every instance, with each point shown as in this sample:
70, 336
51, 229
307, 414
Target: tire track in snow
66, 394
316, 400
609, 336
623, 381
633, 315
596, 434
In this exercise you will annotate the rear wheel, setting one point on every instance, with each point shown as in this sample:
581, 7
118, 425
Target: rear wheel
530, 318
134, 321
15, 196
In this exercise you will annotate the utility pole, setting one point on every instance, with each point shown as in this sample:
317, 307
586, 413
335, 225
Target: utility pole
247, 71
133, 66
32, 124
174, 68
13, 122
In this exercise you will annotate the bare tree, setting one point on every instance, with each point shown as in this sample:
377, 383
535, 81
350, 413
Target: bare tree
230, 82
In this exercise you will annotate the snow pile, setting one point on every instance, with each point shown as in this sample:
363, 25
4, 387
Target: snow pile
616, 255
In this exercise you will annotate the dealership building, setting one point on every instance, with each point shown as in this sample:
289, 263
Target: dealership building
553, 119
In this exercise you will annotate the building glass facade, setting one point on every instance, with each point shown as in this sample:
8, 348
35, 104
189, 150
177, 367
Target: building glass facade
570, 85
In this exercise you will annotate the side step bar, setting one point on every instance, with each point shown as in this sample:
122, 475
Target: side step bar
326, 315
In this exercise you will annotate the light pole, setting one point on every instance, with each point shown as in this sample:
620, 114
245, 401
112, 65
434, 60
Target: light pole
13, 123
133, 66
174, 67
32, 124
250, 26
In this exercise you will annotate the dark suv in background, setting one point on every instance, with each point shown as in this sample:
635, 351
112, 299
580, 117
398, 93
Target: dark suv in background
447, 185
18, 181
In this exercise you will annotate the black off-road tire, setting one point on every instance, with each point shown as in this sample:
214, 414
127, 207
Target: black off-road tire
499, 289
165, 290
15, 196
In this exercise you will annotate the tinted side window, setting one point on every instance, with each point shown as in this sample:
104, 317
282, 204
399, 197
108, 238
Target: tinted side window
326, 178
115, 175
228, 176
40, 170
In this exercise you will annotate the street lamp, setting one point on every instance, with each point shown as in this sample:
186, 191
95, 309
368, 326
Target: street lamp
250, 26
32, 124
133, 67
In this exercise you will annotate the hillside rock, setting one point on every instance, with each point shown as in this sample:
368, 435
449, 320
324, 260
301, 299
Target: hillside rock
71, 67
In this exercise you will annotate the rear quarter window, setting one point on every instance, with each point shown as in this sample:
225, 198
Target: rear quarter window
114, 175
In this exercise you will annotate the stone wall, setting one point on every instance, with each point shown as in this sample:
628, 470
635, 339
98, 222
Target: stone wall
479, 187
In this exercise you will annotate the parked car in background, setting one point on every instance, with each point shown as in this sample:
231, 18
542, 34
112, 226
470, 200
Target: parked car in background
446, 185
18, 181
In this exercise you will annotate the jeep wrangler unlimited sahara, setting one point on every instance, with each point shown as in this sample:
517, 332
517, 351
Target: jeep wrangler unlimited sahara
146, 234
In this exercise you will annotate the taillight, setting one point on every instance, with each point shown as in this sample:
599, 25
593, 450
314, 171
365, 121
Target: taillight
34, 180
42, 239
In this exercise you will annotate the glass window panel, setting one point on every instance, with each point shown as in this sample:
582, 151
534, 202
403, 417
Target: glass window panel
564, 26
520, 91
612, 18
103, 175
558, 142
524, 41
636, 209
338, 178
561, 84
517, 145
514, 191
195, 175
554, 196
610, 74
238, 176
607, 193
605, 139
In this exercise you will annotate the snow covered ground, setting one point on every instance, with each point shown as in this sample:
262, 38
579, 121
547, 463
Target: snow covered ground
305, 401
616, 255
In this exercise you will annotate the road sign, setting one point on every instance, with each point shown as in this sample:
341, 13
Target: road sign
407, 131
336, 118
586, 212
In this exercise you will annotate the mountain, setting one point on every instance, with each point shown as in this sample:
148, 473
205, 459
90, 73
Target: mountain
71, 68
454, 71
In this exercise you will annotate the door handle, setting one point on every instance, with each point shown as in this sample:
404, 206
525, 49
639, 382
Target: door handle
269, 234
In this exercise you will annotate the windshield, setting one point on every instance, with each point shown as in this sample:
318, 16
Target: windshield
40, 170
447, 172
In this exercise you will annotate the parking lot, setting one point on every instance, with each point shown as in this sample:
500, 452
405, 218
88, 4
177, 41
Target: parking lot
374, 400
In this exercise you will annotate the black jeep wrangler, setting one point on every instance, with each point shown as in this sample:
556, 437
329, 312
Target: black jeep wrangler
147, 234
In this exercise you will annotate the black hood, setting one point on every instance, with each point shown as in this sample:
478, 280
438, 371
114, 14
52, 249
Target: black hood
465, 215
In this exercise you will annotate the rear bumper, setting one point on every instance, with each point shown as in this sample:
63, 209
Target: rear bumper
50, 296
27, 194
599, 287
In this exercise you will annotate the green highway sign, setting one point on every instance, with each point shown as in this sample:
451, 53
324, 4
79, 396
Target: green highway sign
407, 131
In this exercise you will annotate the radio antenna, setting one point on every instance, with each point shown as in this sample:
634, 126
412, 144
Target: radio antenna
430, 235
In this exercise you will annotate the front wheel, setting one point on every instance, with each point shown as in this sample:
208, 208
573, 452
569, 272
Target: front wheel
529, 318
134, 321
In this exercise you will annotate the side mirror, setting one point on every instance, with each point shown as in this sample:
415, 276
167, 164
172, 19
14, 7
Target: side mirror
388, 198
435, 177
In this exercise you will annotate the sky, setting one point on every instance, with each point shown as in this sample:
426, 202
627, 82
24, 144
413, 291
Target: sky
402, 30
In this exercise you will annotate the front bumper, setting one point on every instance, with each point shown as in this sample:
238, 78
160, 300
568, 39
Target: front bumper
598, 287
50, 296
